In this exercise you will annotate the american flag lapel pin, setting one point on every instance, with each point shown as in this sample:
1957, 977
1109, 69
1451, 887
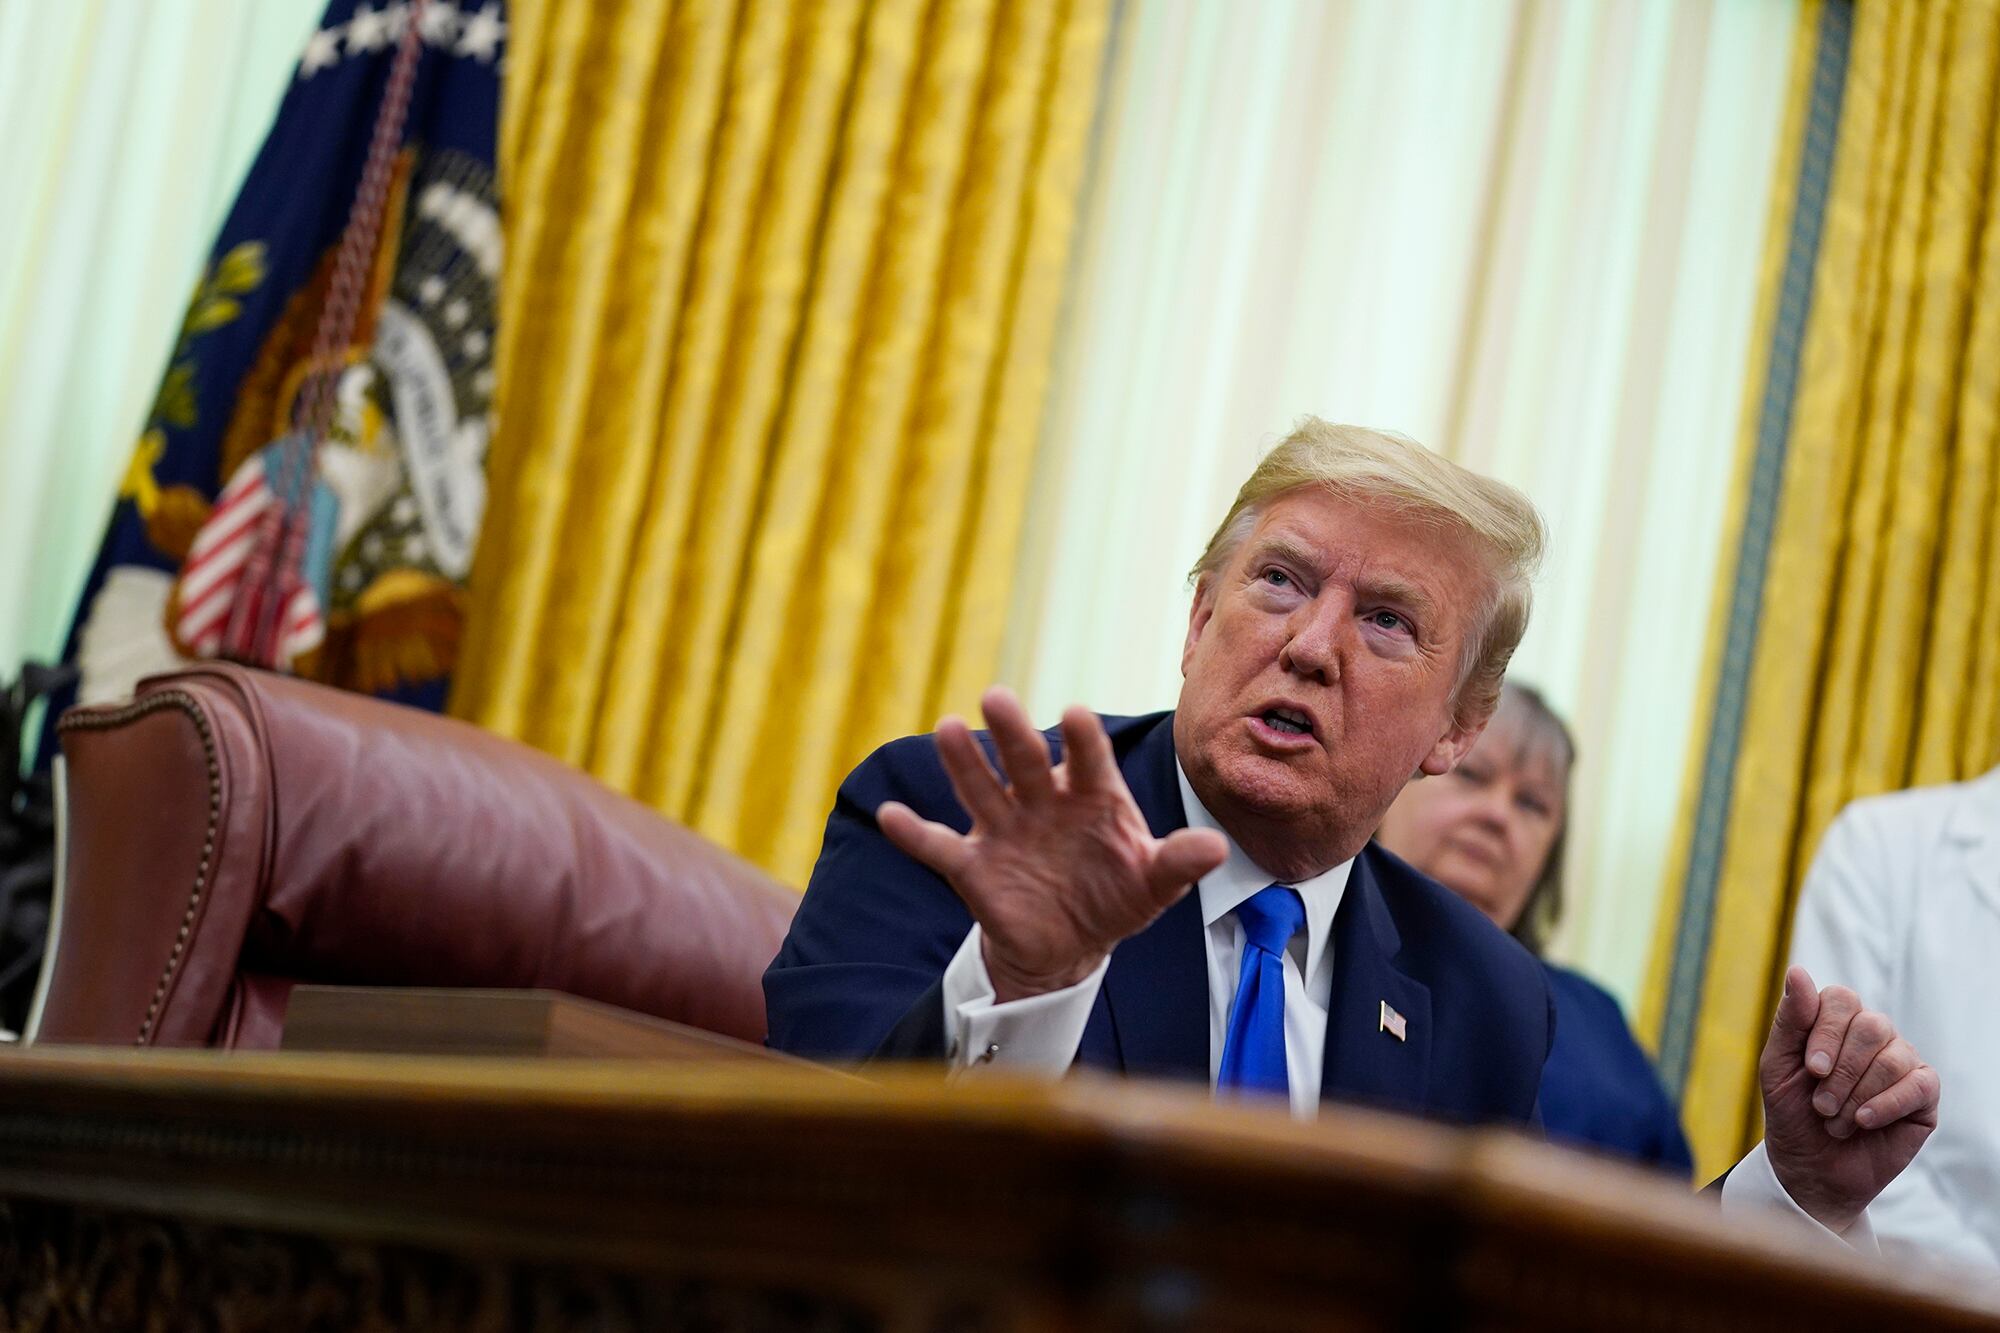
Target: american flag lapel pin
1394, 1023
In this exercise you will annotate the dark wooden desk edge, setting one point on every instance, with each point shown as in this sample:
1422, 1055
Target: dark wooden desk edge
760, 1173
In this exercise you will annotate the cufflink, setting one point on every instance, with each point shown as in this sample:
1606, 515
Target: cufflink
985, 1057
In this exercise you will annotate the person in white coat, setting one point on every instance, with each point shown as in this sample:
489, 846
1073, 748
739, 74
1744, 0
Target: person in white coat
1903, 905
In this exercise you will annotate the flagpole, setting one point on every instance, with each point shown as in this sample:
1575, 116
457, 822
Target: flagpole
257, 623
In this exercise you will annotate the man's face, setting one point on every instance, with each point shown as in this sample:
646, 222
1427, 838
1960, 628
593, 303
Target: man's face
1319, 674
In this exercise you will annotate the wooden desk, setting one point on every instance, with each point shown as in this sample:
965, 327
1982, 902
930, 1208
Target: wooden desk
435, 1021
330, 1191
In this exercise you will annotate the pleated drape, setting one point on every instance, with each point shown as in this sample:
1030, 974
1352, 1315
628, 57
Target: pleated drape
780, 292
1857, 646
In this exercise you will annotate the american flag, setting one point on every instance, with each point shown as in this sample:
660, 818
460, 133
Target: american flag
1394, 1023
227, 576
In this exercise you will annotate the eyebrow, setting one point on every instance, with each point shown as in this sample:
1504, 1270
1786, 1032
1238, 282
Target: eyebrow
1397, 590
1292, 552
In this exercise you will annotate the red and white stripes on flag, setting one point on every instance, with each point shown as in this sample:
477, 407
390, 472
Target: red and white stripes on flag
227, 566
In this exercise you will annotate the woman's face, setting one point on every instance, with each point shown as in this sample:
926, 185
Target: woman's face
1485, 829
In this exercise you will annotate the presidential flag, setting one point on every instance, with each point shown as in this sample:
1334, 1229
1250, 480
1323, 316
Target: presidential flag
307, 491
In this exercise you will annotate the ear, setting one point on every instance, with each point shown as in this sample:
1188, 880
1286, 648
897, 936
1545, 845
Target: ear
1451, 747
1198, 613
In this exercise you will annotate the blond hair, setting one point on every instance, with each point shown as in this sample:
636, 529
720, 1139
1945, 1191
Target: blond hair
1383, 468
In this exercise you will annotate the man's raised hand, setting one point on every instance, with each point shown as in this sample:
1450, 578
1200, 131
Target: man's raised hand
1060, 864
1847, 1101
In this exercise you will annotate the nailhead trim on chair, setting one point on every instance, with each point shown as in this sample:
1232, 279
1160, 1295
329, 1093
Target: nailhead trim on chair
118, 717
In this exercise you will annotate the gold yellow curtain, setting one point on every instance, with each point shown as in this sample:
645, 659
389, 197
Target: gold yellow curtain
1857, 643
779, 298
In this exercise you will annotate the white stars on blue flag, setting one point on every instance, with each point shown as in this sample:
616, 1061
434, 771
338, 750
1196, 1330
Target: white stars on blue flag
445, 27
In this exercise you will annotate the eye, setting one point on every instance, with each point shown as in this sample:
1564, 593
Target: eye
1539, 803
1389, 620
1277, 578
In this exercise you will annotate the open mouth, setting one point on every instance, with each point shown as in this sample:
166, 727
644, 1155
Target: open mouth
1287, 720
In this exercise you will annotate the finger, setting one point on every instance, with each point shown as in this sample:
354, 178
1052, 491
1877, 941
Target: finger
1868, 1033
1797, 1008
1092, 766
1913, 1097
1837, 1007
1894, 1060
1024, 752
973, 780
1181, 858
943, 849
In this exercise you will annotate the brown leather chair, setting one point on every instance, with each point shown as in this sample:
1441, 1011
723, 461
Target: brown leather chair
231, 833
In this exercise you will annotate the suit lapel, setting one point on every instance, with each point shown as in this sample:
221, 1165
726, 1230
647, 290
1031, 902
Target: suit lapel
1156, 990
1364, 1062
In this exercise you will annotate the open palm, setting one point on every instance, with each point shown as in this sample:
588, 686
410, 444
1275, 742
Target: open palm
1059, 865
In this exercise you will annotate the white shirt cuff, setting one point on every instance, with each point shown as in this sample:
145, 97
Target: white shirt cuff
1036, 1035
1754, 1187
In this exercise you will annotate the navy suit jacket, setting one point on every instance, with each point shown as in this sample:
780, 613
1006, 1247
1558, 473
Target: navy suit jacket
1599, 1089
860, 976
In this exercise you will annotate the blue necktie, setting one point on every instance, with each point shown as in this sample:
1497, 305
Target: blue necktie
1253, 1054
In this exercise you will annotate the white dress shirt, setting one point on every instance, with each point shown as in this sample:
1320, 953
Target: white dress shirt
1040, 1034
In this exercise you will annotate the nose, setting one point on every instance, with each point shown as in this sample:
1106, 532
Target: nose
1315, 639
1493, 810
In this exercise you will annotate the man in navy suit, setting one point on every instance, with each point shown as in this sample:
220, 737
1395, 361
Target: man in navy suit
1022, 900
1471, 1003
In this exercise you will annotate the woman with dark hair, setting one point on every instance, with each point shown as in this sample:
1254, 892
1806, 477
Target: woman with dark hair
1491, 830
